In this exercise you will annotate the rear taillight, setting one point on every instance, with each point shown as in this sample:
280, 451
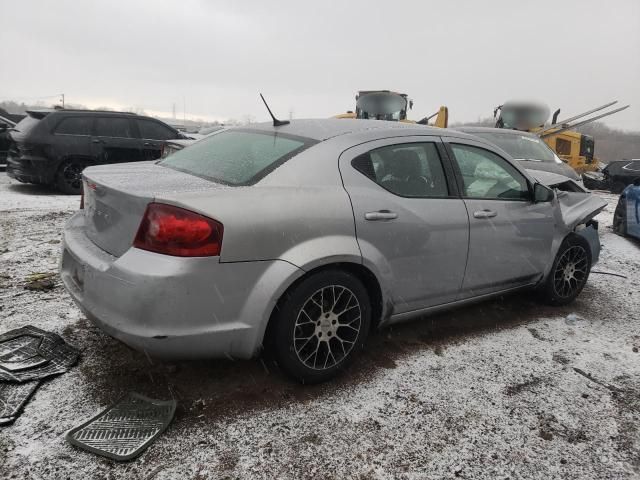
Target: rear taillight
175, 231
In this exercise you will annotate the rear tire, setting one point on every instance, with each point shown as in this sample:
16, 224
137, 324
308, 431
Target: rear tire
69, 176
569, 272
320, 326
620, 217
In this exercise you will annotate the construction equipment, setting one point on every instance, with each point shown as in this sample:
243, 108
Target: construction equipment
576, 148
391, 106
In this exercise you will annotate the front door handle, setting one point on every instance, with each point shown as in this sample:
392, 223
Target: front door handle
97, 140
484, 214
150, 144
380, 215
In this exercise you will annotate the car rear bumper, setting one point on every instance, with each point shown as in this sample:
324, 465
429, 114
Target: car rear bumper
172, 307
31, 169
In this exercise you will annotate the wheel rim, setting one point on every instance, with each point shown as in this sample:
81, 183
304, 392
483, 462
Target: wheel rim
327, 327
571, 271
72, 175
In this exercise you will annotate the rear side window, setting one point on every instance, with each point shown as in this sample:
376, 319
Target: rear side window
154, 130
26, 124
113, 127
74, 126
407, 170
237, 157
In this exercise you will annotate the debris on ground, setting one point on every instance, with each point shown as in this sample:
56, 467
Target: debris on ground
13, 397
29, 353
124, 430
27, 356
40, 281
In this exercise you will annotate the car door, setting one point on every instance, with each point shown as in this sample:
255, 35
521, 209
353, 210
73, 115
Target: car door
114, 140
153, 135
411, 226
510, 236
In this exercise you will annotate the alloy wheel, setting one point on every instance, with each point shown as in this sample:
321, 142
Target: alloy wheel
327, 327
72, 175
571, 271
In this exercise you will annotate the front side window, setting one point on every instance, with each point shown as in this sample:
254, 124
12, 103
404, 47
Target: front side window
154, 130
487, 175
74, 126
237, 157
113, 127
407, 170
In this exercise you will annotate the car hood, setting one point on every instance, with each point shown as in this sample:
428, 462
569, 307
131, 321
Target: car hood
556, 180
551, 167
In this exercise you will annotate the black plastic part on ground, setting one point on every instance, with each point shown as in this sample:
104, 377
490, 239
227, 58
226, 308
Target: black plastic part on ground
124, 430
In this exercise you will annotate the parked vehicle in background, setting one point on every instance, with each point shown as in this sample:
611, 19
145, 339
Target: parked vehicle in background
171, 146
53, 147
615, 176
302, 237
5, 140
626, 218
527, 148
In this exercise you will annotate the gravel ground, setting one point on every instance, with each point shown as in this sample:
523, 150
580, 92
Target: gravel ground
504, 389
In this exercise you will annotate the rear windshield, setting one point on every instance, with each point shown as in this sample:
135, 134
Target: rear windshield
521, 147
237, 157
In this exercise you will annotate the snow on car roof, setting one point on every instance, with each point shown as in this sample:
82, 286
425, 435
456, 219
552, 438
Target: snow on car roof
325, 128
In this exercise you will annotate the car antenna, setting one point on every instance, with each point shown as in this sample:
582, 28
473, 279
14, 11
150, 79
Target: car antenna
276, 122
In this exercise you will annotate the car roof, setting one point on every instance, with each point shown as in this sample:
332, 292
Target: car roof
326, 128
503, 131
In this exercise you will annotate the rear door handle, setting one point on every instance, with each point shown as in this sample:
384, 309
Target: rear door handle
484, 214
150, 144
97, 140
380, 215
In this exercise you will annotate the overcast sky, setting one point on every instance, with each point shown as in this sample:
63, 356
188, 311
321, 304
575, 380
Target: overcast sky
310, 57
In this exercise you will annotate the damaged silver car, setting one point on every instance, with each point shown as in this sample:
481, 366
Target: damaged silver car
301, 238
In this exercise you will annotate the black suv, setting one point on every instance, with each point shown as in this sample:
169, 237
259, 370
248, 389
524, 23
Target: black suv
52, 147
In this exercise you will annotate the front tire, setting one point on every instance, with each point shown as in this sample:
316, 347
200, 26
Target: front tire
69, 176
569, 272
321, 325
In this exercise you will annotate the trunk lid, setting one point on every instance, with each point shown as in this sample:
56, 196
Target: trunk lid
116, 196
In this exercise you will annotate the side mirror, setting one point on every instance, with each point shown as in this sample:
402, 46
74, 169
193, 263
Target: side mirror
542, 193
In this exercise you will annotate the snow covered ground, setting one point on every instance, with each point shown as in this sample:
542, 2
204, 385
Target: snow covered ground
488, 391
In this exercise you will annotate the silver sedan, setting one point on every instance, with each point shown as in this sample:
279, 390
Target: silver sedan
299, 239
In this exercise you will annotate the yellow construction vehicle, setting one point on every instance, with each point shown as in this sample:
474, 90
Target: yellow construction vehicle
392, 106
575, 148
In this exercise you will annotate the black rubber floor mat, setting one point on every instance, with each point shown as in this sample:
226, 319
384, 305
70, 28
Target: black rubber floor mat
29, 353
13, 397
124, 430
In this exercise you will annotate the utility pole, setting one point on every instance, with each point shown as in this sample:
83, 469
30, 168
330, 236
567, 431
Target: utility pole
174, 110
184, 112
62, 95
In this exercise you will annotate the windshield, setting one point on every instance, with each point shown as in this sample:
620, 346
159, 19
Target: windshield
381, 106
521, 147
237, 157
